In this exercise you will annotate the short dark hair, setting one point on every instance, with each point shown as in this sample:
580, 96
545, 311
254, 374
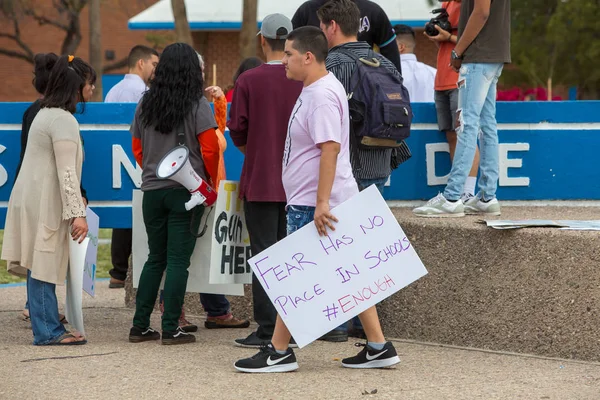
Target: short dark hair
344, 12
276, 44
401, 29
67, 80
138, 53
310, 39
42, 66
405, 34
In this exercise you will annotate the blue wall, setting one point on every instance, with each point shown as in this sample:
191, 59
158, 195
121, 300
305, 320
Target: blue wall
557, 145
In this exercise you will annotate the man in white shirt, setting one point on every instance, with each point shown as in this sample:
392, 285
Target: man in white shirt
142, 61
419, 78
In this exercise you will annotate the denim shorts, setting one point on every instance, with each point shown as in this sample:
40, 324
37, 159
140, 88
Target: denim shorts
299, 216
446, 104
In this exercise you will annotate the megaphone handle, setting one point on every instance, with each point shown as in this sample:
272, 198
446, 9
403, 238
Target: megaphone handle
194, 201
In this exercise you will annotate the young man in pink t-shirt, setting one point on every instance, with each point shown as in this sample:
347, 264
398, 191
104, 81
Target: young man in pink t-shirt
317, 176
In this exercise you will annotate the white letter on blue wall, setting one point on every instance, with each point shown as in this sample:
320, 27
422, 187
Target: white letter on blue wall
119, 158
3, 173
506, 163
430, 150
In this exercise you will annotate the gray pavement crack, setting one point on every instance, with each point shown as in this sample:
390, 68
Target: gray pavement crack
69, 357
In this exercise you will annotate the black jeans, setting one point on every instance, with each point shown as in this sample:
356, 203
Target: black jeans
267, 224
120, 251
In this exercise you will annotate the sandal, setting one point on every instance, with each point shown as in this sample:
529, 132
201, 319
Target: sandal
68, 335
63, 319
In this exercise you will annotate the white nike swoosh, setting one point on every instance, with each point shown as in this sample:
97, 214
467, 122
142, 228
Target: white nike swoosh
374, 356
274, 362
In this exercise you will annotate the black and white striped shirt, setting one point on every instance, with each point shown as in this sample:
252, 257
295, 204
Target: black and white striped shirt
374, 163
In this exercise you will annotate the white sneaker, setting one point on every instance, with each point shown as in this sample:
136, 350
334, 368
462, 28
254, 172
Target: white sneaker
466, 197
476, 206
439, 207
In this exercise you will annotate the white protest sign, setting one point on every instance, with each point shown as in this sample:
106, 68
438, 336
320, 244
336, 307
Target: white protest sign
81, 275
91, 256
73, 300
317, 283
230, 241
198, 280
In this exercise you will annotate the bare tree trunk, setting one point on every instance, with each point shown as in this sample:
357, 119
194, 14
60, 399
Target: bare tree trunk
182, 26
73, 36
248, 32
96, 46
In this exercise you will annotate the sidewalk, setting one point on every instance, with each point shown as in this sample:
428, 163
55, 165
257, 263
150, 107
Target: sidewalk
109, 367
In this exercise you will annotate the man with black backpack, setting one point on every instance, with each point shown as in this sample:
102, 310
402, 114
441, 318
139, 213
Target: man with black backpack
381, 116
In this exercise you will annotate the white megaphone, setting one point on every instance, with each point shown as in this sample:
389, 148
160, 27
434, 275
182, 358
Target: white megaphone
176, 166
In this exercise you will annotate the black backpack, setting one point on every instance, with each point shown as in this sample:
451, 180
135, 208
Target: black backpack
380, 111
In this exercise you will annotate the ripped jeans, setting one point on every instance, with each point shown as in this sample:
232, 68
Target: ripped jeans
476, 114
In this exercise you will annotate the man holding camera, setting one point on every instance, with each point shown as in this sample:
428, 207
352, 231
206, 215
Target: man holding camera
479, 56
446, 92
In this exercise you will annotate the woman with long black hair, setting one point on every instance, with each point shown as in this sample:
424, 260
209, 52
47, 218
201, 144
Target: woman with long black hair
174, 104
42, 67
46, 208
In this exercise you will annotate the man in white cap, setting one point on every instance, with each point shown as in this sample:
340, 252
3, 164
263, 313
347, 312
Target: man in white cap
262, 103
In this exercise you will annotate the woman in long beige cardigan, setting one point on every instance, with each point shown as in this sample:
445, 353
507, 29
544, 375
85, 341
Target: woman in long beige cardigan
46, 209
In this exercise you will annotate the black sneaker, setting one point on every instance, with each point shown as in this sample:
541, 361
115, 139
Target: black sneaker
371, 358
253, 341
137, 335
335, 336
178, 336
268, 360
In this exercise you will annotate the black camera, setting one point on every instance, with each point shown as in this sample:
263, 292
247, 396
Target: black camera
440, 20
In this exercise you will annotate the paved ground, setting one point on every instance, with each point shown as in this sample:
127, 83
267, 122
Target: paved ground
111, 368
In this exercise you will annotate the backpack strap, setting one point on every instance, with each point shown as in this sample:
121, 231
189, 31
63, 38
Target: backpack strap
357, 59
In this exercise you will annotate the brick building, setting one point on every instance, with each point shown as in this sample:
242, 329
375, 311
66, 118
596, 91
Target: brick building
125, 24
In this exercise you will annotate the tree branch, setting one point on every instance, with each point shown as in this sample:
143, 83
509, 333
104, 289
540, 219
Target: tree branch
116, 65
45, 21
16, 54
28, 53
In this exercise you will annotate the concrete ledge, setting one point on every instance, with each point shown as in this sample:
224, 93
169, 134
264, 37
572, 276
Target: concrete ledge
533, 290
528, 291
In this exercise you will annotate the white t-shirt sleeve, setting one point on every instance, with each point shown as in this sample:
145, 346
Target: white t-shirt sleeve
325, 124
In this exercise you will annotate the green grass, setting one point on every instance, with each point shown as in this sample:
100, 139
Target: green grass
102, 267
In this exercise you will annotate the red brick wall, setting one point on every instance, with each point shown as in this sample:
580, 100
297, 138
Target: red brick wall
16, 75
426, 50
220, 48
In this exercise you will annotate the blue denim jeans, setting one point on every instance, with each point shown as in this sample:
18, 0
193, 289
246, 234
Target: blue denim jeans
365, 183
215, 305
476, 115
43, 311
298, 217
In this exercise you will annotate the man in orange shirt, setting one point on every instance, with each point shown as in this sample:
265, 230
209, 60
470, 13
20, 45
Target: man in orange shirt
446, 91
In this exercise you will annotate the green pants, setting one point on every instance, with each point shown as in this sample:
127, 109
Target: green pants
171, 244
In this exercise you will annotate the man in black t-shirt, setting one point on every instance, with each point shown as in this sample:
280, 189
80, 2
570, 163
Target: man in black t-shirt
375, 26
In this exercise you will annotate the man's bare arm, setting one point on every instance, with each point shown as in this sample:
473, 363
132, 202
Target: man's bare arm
327, 167
476, 22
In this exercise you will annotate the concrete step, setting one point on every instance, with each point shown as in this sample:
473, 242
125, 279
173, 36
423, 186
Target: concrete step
532, 290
